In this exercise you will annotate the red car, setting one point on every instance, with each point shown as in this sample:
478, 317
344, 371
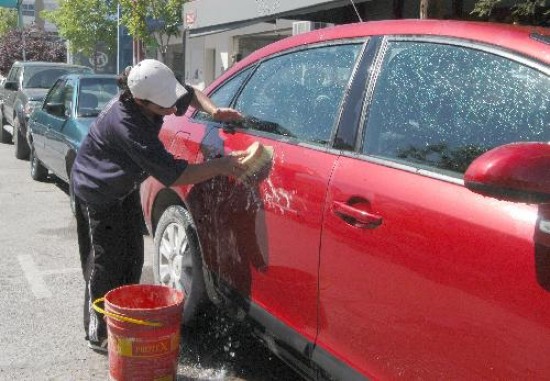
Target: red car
360, 253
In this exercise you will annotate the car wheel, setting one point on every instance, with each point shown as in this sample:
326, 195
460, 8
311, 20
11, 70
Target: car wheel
177, 259
22, 150
38, 171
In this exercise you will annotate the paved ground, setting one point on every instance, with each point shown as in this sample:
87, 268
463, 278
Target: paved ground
41, 290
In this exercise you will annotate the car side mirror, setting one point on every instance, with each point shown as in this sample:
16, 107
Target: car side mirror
11, 85
518, 172
55, 108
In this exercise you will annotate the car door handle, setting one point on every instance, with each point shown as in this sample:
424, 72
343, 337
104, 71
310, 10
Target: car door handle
356, 216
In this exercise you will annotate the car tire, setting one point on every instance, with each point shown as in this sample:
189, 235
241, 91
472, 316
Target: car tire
5, 136
178, 261
38, 171
22, 150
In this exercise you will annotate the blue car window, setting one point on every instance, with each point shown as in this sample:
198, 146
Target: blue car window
94, 94
55, 100
68, 95
438, 106
298, 94
224, 94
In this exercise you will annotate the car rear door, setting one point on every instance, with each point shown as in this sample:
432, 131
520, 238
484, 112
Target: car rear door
419, 277
14, 75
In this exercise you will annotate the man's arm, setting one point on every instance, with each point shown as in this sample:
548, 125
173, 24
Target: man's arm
223, 114
230, 165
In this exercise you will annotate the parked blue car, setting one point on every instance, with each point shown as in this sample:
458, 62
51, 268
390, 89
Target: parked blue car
59, 126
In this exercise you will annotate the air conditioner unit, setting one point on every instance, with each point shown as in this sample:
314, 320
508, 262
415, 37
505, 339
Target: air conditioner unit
307, 26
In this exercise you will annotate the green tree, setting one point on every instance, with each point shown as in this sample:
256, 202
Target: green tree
86, 24
154, 22
8, 20
522, 10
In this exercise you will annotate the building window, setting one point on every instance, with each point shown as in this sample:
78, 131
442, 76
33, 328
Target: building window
27, 10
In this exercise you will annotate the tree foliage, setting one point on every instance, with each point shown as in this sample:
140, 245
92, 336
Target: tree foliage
38, 45
8, 20
521, 10
86, 24
153, 21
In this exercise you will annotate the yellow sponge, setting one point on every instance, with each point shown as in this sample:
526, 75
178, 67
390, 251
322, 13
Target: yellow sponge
259, 159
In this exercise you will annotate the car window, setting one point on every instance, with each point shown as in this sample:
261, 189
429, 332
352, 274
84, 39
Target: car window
54, 103
225, 93
14, 74
440, 106
68, 95
44, 78
299, 94
94, 94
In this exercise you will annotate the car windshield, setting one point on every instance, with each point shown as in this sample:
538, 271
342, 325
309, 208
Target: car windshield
94, 93
44, 78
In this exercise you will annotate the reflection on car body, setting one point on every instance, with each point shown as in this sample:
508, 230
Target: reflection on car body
361, 254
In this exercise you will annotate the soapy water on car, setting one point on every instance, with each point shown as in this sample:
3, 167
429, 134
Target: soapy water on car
218, 347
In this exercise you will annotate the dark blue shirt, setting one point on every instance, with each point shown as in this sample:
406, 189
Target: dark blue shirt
121, 150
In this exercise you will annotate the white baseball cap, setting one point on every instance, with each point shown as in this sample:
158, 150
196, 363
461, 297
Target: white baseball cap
153, 81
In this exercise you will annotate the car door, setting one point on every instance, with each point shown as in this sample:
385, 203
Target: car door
261, 236
39, 122
15, 76
61, 97
419, 277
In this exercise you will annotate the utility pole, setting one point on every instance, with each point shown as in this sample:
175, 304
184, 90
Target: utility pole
118, 39
424, 7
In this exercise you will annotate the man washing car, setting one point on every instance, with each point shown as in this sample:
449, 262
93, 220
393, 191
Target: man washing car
121, 150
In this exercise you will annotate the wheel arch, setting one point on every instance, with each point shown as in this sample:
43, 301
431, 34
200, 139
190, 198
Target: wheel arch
164, 199
168, 197
70, 157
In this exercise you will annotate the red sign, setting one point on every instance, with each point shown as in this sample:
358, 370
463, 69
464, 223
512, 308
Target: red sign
190, 18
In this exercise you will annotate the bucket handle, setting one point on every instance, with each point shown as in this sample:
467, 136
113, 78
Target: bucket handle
121, 317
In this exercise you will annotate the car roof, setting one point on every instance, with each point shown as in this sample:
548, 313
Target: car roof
527, 40
88, 75
45, 63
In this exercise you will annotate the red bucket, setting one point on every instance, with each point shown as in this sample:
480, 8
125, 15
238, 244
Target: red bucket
143, 324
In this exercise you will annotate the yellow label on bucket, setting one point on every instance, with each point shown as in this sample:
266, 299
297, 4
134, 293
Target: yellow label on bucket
138, 347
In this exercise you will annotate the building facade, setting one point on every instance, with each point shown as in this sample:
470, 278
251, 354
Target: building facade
218, 33
30, 12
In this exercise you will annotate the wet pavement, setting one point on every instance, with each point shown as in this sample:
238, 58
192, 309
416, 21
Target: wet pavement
219, 348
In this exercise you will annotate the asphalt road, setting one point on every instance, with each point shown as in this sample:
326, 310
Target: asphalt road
41, 292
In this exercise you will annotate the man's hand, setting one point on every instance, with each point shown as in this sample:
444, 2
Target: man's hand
225, 114
231, 165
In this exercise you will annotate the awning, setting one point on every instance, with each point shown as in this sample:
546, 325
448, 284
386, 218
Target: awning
213, 16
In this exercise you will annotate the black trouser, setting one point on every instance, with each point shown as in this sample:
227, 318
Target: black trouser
110, 241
